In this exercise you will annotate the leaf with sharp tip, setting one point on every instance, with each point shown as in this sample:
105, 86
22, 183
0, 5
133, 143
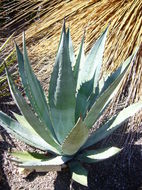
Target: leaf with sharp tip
28, 156
62, 93
36, 92
70, 47
113, 124
79, 173
46, 165
104, 84
20, 60
29, 115
102, 101
93, 62
23, 134
92, 156
63, 30
88, 85
99, 58
79, 64
116, 73
99, 134
84, 91
54, 75
75, 139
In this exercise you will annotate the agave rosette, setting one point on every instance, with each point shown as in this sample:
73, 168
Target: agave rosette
76, 99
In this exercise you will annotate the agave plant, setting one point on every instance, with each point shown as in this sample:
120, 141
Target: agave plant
60, 124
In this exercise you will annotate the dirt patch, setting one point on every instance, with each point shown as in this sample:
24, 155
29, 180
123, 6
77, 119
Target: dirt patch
120, 172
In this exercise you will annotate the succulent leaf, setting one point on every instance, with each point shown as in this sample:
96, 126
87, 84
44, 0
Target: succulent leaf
89, 75
100, 133
79, 64
37, 95
75, 139
28, 156
100, 104
110, 79
82, 99
23, 134
105, 83
93, 62
20, 60
62, 92
91, 156
27, 112
79, 173
61, 36
23, 122
50, 164
99, 58
70, 46
112, 124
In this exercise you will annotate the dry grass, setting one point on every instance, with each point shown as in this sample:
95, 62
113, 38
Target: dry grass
125, 33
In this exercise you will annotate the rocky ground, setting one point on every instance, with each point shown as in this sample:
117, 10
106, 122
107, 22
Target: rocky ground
122, 172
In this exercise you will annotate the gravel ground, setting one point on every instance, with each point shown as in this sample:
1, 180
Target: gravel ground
122, 172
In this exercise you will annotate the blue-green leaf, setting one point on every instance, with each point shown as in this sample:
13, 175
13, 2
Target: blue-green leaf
92, 65
29, 115
62, 92
79, 173
110, 79
78, 65
93, 62
92, 156
70, 46
82, 99
102, 101
63, 29
105, 83
75, 139
20, 60
37, 95
99, 58
111, 125
23, 122
28, 156
50, 164
23, 134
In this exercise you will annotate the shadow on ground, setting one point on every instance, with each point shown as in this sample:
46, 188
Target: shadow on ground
4, 147
63, 181
3, 179
123, 171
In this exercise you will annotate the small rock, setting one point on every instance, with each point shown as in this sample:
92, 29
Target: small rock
24, 172
1, 138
